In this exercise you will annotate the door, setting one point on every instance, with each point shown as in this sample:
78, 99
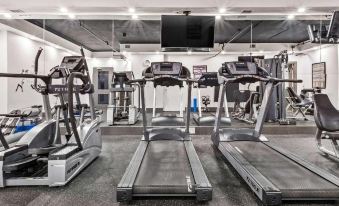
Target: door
102, 80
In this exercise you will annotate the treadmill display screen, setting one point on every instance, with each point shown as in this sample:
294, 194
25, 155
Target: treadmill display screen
166, 68
239, 68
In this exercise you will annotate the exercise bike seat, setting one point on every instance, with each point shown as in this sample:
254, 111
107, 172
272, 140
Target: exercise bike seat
326, 116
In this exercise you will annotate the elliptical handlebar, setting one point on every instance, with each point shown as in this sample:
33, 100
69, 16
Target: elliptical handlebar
70, 86
36, 67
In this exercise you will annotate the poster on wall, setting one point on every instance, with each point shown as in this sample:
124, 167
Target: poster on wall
319, 75
198, 70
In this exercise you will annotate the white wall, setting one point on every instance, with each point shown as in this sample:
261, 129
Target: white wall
3, 68
328, 54
21, 53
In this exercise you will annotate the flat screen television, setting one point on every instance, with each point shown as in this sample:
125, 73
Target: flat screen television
187, 31
249, 58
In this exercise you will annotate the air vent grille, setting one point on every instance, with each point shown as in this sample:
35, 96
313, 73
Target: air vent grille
17, 11
246, 11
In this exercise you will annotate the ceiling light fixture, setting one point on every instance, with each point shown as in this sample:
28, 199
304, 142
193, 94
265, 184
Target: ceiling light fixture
131, 10
261, 51
63, 9
291, 16
301, 10
217, 17
157, 52
222, 10
223, 52
7, 16
135, 17
189, 52
71, 16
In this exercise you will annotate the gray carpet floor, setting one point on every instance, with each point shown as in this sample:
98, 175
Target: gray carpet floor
97, 184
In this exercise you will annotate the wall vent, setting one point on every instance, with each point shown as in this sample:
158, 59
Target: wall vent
17, 11
246, 11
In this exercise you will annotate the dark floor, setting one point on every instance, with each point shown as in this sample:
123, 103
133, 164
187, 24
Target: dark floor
96, 185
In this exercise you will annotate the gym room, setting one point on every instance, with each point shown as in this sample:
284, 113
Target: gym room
146, 102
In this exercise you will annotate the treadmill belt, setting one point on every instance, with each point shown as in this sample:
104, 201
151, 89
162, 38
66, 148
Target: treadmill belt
165, 169
292, 179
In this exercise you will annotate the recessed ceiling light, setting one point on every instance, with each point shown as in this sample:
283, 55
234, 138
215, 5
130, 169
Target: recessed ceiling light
301, 10
261, 51
291, 16
63, 9
217, 17
124, 52
223, 52
131, 10
71, 16
189, 52
157, 52
135, 17
222, 10
7, 16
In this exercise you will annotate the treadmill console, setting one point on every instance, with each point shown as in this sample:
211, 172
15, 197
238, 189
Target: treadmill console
208, 79
239, 68
166, 68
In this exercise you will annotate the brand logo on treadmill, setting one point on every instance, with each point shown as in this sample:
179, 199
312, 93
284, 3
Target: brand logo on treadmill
73, 168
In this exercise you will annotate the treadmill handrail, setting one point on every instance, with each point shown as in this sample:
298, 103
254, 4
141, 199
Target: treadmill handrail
257, 78
143, 80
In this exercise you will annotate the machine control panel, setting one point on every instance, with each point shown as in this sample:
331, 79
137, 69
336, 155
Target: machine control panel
208, 79
239, 68
72, 63
166, 68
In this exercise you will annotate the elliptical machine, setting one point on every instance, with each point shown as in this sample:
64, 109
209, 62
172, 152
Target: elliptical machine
121, 109
44, 156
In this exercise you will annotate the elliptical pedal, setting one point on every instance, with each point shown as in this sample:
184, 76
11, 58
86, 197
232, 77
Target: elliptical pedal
20, 164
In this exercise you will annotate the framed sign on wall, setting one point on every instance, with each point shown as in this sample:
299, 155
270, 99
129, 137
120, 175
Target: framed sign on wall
319, 75
198, 70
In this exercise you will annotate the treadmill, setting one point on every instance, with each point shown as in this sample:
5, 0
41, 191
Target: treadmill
165, 162
168, 119
209, 79
272, 173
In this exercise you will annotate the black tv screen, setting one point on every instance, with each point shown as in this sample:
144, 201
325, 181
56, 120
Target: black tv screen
187, 31
249, 58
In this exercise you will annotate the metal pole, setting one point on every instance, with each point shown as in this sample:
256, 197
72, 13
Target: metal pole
199, 103
220, 105
154, 100
47, 106
263, 110
181, 113
188, 109
226, 106
143, 110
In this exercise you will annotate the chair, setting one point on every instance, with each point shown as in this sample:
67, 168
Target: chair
326, 117
297, 104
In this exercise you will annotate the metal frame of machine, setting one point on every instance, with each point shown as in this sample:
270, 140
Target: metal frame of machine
209, 79
130, 185
40, 157
247, 150
121, 91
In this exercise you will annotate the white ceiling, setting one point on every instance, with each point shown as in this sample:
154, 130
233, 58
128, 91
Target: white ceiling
107, 8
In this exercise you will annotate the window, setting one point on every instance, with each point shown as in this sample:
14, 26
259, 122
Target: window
103, 79
103, 98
